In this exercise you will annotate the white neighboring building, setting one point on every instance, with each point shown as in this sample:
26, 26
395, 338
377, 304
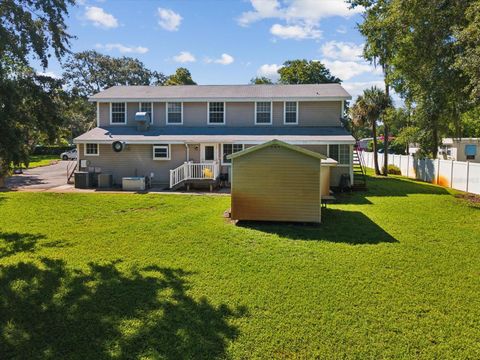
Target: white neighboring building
460, 149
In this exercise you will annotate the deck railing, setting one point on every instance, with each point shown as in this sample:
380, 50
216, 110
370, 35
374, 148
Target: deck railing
194, 171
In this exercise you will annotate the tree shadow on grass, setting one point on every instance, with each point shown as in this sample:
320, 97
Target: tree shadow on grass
12, 243
51, 311
338, 226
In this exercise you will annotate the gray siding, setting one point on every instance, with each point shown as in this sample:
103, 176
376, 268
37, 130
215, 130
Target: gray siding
319, 113
240, 113
290, 192
194, 114
277, 115
104, 114
135, 160
314, 113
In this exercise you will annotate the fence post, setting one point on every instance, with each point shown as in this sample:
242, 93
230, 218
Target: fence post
408, 165
451, 176
468, 175
438, 171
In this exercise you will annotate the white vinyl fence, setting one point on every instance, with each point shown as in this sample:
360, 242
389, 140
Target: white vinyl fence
458, 175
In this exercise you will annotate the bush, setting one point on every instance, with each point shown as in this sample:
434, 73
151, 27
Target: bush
51, 149
393, 170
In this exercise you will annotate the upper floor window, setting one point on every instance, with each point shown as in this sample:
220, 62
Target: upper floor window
263, 112
228, 149
341, 153
91, 149
148, 108
118, 113
174, 113
216, 113
291, 112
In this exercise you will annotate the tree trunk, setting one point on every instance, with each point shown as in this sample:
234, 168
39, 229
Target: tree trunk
375, 154
435, 141
385, 140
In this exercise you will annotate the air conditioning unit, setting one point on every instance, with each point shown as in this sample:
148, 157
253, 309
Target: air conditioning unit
135, 183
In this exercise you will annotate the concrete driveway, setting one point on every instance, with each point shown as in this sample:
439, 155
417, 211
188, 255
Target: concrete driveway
45, 178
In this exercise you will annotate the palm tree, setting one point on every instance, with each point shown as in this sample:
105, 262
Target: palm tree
366, 112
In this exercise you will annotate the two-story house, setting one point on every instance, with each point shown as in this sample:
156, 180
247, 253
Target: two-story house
203, 124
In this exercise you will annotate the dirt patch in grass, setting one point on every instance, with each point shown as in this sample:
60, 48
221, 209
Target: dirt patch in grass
471, 198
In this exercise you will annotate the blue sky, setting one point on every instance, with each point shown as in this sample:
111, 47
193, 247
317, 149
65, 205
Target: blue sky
225, 42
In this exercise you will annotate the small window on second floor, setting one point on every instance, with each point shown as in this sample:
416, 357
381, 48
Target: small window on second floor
118, 113
216, 113
291, 112
263, 112
341, 153
147, 107
174, 113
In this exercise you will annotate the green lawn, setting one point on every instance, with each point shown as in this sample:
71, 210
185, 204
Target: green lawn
42, 160
391, 273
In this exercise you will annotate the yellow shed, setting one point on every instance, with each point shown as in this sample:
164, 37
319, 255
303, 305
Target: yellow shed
276, 181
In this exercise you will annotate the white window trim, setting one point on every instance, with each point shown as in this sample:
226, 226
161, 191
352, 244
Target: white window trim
224, 113
151, 106
161, 146
350, 155
181, 114
271, 113
117, 123
285, 113
221, 159
85, 149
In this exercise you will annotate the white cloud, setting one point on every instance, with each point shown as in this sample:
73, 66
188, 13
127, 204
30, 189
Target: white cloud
298, 32
169, 19
346, 70
49, 74
342, 29
123, 49
225, 59
345, 51
270, 71
100, 18
184, 57
296, 10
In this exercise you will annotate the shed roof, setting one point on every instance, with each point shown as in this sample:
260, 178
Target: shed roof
223, 92
277, 143
239, 135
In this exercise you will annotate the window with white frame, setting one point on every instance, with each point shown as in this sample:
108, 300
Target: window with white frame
216, 113
91, 149
263, 112
147, 107
118, 113
228, 149
291, 112
341, 153
161, 152
174, 113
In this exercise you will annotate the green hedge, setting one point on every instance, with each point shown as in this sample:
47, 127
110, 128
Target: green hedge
51, 149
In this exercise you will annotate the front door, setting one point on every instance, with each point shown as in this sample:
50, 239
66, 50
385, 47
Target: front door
209, 152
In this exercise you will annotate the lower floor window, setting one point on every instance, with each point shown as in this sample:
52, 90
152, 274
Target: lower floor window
228, 149
91, 149
341, 153
161, 152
